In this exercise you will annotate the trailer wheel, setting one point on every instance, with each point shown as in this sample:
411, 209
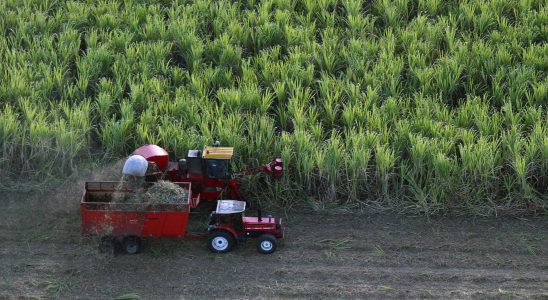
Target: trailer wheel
132, 244
266, 244
220, 242
107, 245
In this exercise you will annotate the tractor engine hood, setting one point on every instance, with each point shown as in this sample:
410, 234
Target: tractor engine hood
265, 224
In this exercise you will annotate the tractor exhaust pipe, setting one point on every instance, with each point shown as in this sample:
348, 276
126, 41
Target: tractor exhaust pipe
259, 215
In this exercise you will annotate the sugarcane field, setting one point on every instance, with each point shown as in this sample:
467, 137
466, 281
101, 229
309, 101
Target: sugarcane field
274, 149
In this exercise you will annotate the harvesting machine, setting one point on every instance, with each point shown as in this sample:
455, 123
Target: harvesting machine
208, 170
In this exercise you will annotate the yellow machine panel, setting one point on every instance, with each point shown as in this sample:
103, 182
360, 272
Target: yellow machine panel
218, 152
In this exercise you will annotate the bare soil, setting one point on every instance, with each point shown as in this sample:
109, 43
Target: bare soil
324, 256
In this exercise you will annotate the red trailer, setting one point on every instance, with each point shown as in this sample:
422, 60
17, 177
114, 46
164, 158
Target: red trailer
127, 223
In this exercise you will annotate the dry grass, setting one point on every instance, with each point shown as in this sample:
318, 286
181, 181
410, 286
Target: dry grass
161, 192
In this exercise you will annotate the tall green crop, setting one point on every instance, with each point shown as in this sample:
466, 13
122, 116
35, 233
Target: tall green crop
426, 104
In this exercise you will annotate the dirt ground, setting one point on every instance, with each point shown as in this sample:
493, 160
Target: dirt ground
324, 256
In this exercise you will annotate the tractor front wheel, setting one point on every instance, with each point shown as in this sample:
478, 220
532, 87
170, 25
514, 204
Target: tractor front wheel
132, 244
266, 244
220, 242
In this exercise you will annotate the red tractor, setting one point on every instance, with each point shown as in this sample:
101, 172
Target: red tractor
208, 170
228, 225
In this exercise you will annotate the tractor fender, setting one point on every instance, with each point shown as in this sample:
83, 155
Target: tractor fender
231, 231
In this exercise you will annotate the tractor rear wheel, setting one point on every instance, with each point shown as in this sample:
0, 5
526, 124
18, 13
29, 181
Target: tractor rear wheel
266, 244
220, 242
132, 244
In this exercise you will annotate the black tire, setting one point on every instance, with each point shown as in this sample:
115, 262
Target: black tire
107, 245
266, 244
220, 242
132, 244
